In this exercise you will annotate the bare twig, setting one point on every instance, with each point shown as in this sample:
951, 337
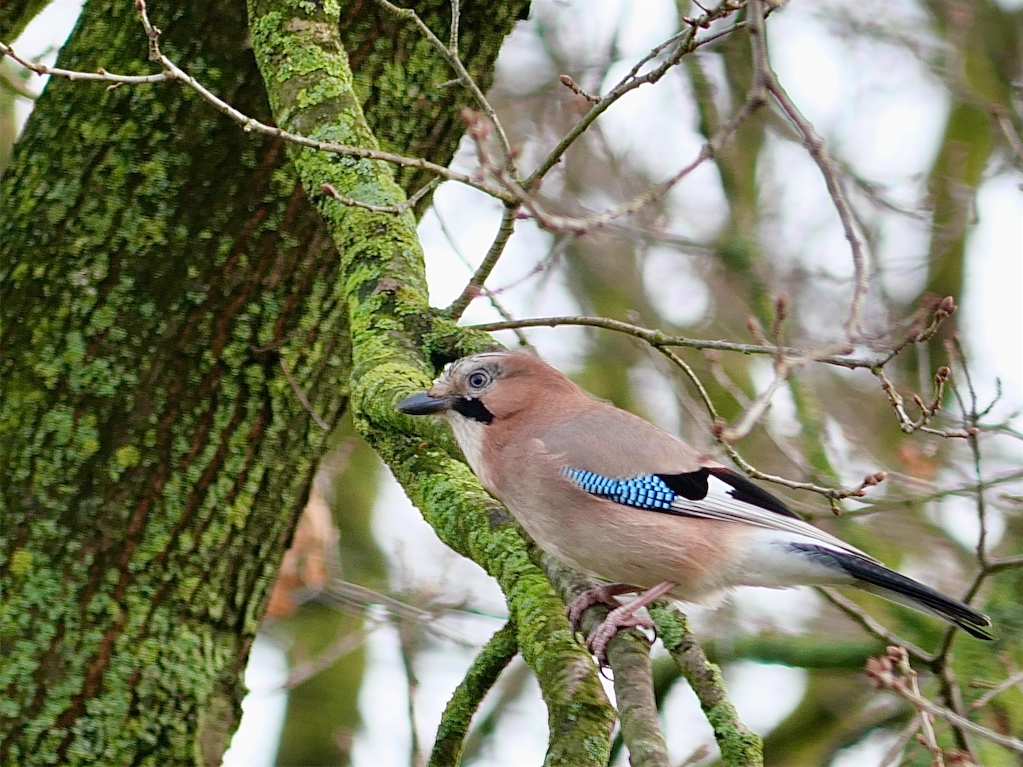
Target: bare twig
658, 338
100, 75
13, 81
577, 89
893, 757
343, 645
1004, 563
751, 415
456, 15
479, 277
998, 689
930, 741
738, 744
1013, 139
854, 611
927, 411
301, 396
450, 54
355, 599
490, 294
249, 124
408, 642
333, 193
479, 679
629, 658
582, 224
883, 672
767, 79
680, 44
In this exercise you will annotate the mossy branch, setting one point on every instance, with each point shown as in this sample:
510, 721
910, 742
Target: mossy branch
481, 676
310, 86
628, 655
740, 747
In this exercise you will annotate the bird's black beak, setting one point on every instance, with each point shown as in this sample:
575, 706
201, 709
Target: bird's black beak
424, 404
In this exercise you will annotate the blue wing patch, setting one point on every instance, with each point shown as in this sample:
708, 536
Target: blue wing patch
644, 492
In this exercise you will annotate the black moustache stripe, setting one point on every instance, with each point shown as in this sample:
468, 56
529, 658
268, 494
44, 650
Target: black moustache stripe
474, 409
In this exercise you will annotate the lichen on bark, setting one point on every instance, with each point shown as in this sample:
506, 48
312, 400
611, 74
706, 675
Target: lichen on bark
160, 269
383, 278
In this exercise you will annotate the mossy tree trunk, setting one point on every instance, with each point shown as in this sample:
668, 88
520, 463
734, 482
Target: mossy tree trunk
163, 277
398, 342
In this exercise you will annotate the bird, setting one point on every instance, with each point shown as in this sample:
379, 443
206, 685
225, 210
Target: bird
618, 498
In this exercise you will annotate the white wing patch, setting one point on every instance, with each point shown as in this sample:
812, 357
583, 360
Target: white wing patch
719, 504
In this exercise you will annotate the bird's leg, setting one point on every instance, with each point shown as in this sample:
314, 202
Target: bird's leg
604, 594
624, 616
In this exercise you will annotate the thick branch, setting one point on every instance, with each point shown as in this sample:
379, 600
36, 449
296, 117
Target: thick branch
628, 655
310, 88
740, 747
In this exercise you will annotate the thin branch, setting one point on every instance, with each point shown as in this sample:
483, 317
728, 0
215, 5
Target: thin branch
479, 277
582, 224
456, 16
684, 42
927, 737
490, 294
398, 209
738, 744
343, 645
100, 75
854, 611
658, 338
973, 419
479, 679
1015, 143
354, 598
752, 415
628, 655
408, 642
927, 412
301, 396
15, 83
883, 672
249, 124
1004, 563
952, 693
998, 689
766, 78
893, 757
450, 55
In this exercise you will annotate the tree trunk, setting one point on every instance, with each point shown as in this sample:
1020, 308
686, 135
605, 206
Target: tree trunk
169, 297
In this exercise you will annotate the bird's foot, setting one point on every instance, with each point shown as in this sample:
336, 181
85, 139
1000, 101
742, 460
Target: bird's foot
603, 594
622, 617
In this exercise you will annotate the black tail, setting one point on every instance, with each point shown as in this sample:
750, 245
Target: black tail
879, 580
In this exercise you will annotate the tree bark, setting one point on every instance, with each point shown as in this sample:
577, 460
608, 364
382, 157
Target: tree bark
168, 294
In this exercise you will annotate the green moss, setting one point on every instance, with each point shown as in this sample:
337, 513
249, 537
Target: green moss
127, 456
21, 562
169, 342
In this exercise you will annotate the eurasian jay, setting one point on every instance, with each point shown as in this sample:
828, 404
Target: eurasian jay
619, 498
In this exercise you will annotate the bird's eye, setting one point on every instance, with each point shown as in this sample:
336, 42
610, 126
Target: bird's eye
479, 379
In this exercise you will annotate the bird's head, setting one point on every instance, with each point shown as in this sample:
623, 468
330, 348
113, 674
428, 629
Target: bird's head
489, 387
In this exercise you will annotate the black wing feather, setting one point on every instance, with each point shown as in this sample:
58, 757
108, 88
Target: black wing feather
693, 485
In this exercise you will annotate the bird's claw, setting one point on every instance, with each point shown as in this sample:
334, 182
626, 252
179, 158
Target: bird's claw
603, 594
605, 632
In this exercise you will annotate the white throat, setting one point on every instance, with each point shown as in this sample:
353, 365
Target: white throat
469, 434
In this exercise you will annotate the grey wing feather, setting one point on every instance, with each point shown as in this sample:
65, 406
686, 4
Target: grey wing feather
616, 443
717, 504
